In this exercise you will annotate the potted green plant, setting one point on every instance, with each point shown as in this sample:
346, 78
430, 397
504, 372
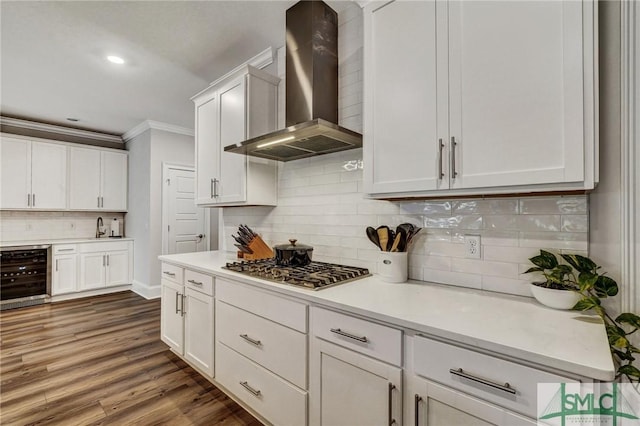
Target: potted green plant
580, 276
559, 289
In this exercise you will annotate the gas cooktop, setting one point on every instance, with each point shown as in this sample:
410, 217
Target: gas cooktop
314, 276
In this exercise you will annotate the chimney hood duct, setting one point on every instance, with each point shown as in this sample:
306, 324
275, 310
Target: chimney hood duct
311, 91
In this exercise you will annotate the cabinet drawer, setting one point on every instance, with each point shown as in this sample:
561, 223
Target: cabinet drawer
275, 347
375, 340
273, 398
172, 273
103, 246
434, 360
199, 282
64, 249
275, 308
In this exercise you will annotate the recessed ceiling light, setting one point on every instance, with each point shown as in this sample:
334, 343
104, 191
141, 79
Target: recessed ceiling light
115, 59
72, 119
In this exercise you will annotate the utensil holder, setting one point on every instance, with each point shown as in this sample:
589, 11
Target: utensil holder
393, 267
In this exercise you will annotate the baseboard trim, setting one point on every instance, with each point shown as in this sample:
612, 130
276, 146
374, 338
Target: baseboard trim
89, 293
146, 291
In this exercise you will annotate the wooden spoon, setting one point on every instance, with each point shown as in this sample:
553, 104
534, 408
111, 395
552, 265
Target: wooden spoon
383, 237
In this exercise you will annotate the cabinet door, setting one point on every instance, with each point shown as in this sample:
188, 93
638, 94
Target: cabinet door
351, 389
84, 179
92, 270
402, 151
198, 330
516, 92
207, 149
114, 181
233, 167
171, 317
64, 276
48, 176
117, 270
15, 155
435, 405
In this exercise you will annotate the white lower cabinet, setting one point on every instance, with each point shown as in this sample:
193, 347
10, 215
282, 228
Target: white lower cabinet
64, 276
347, 385
431, 404
105, 264
187, 316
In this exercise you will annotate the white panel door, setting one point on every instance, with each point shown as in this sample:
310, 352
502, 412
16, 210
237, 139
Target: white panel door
198, 330
352, 389
402, 150
117, 268
64, 276
207, 149
171, 317
516, 92
92, 270
84, 179
15, 157
114, 181
233, 167
186, 221
48, 176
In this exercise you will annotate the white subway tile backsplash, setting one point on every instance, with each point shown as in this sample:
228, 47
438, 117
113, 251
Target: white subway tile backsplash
321, 203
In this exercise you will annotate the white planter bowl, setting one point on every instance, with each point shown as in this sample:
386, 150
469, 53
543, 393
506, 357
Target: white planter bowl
556, 299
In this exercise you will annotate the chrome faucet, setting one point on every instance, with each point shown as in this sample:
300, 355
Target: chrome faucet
99, 225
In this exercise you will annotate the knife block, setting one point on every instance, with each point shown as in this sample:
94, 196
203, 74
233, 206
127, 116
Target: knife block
260, 250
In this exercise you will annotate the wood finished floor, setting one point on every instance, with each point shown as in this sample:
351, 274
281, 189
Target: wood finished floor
100, 361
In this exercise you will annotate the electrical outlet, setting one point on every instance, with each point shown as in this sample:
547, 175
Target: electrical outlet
472, 246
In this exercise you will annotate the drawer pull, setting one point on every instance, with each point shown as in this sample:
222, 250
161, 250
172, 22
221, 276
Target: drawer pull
253, 391
349, 335
171, 274
417, 400
505, 388
67, 249
391, 419
194, 282
250, 340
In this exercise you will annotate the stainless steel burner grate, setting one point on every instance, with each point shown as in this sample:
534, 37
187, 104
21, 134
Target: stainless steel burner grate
314, 276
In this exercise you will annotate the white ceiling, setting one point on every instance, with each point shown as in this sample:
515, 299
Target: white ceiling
53, 57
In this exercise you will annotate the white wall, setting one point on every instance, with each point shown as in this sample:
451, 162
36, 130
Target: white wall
139, 201
321, 203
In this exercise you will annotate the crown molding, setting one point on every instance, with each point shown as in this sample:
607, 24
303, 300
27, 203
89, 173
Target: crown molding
156, 125
260, 61
61, 130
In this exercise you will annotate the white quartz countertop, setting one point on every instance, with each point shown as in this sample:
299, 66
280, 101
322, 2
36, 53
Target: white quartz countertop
59, 241
515, 327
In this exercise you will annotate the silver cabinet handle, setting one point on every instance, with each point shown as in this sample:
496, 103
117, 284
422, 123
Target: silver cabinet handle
214, 188
101, 201
391, 419
98, 201
184, 312
28, 200
505, 388
195, 282
417, 399
56, 265
177, 295
171, 274
61, 250
103, 260
440, 148
454, 173
253, 391
33, 199
349, 335
250, 340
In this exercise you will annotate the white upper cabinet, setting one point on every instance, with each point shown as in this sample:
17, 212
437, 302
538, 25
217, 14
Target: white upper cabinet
34, 174
482, 97
238, 107
98, 179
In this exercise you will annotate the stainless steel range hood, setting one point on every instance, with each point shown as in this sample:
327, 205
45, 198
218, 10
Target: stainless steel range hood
311, 91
